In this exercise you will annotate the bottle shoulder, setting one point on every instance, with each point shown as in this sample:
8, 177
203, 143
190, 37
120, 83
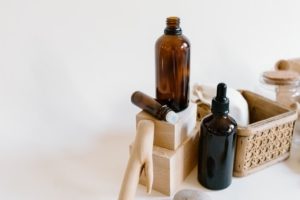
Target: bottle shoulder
186, 39
219, 125
176, 40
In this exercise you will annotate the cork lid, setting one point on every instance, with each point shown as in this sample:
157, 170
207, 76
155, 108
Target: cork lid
281, 77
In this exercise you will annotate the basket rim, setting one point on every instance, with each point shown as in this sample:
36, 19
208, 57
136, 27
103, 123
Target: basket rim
254, 128
268, 123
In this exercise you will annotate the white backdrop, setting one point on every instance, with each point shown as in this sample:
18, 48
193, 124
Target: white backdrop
68, 68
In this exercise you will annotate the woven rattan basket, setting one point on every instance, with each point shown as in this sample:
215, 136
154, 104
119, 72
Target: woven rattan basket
267, 139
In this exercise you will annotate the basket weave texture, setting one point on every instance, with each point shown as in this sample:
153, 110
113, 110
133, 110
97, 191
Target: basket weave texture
263, 148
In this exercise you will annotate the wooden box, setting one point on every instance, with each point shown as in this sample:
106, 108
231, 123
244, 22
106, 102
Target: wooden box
170, 136
267, 139
172, 167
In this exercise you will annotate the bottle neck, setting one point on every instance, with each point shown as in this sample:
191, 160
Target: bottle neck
173, 26
163, 111
220, 114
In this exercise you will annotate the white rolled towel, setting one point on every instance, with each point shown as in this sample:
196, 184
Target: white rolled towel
238, 106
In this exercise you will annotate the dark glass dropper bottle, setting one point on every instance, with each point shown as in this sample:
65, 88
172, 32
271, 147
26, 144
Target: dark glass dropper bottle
217, 144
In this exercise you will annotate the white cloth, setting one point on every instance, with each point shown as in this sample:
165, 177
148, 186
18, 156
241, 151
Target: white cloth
238, 106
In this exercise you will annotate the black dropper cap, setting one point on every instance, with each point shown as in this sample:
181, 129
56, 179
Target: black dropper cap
220, 104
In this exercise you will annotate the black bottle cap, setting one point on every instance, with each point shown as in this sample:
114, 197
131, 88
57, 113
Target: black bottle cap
220, 104
173, 26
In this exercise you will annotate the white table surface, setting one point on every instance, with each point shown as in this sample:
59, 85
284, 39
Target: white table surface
280, 181
95, 171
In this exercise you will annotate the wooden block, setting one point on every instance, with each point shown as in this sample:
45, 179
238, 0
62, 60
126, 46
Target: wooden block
172, 167
170, 136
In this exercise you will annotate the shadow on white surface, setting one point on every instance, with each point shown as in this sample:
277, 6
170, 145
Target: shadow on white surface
94, 171
293, 162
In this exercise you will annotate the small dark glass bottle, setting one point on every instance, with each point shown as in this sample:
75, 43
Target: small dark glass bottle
217, 144
172, 59
151, 106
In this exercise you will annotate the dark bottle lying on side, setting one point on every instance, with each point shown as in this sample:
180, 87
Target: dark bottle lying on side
217, 144
151, 106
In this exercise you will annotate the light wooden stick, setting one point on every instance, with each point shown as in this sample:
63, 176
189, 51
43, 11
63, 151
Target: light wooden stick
140, 159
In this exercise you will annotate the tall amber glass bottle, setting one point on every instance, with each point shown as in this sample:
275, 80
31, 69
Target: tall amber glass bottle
172, 56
